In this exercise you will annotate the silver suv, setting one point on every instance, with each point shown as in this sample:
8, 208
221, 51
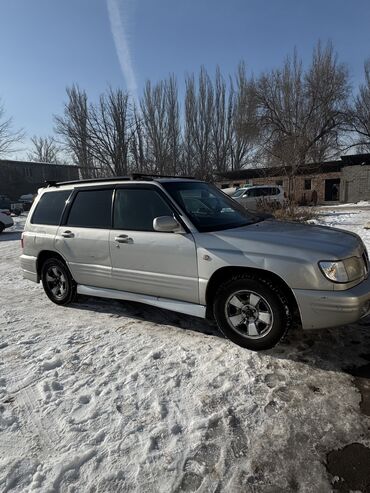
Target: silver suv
252, 198
184, 245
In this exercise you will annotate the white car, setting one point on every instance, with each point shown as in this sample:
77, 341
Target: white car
5, 220
255, 197
183, 245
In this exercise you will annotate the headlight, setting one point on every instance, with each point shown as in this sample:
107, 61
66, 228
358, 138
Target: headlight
347, 270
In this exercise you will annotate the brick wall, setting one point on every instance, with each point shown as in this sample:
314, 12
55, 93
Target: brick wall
355, 183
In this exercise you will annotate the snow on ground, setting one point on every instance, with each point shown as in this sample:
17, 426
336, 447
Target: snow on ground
352, 218
109, 396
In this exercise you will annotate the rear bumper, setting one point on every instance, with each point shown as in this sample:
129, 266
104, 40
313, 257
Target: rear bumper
29, 268
320, 309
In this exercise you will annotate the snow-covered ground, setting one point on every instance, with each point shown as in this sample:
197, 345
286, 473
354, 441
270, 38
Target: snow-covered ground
109, 396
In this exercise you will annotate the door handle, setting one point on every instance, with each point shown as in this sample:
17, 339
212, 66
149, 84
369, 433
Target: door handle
123, 239
67, 234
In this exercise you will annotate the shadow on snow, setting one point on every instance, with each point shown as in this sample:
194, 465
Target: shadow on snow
335, 349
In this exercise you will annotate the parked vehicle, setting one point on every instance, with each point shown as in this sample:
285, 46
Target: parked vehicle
240, 191
16, 208
5, 203
183, 245
26, 201
230, 191
5, 220
255, 197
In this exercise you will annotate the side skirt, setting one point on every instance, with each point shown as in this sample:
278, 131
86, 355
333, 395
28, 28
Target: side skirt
174, 305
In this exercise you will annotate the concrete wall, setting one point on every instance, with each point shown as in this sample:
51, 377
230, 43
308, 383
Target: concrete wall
355, 183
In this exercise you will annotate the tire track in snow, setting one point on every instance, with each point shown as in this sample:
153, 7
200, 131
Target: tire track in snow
33, 422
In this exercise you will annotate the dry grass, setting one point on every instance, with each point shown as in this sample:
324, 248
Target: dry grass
288, 212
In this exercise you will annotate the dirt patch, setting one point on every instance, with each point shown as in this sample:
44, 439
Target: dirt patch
362, 382
350, 468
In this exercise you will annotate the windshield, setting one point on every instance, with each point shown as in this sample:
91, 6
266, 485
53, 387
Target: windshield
207, 207
239, 192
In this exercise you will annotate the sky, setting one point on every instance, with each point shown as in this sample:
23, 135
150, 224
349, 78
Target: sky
47, 45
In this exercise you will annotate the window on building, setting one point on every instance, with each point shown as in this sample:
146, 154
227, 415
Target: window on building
135, 210
236, 185
50, 207
279, 183
91, 209
27, 172
307, 184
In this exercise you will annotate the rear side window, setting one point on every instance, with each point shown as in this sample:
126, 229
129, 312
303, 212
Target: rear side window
91, 209
266, 191
50, 207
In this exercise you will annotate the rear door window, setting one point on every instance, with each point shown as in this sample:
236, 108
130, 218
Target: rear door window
50, 207
91, 209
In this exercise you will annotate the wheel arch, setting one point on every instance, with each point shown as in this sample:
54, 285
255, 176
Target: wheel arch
45, 255
225, 273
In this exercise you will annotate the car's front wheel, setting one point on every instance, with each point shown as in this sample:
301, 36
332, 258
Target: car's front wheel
57, 281
251, 313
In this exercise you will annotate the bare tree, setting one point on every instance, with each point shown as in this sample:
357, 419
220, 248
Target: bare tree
73, 128
161, 121
173, 126
301, 112
109, 130
360, 115
198, 125
245, 131
8, 136
221, 124
45, 150
138, 144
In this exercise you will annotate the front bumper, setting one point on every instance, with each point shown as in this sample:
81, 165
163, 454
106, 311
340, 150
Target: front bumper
29, 267
320, 309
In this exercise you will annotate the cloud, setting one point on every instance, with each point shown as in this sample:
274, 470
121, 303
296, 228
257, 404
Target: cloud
118, 26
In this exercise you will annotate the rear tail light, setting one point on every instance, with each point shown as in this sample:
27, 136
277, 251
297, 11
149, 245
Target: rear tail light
22, 242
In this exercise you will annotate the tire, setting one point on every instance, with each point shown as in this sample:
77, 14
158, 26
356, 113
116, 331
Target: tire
57, 282
2, 227
251, 312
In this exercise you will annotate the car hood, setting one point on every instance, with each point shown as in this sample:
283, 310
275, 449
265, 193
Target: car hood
329, 243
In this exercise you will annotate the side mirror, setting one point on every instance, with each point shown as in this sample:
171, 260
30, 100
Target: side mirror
166, 224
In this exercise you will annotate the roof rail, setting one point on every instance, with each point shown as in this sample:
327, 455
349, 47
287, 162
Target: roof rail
50, 183
149, 176
133, 176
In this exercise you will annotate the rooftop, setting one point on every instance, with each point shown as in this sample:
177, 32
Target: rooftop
308, 169
32, 163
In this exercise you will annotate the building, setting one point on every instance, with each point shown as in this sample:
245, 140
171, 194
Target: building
344, 180
23, 177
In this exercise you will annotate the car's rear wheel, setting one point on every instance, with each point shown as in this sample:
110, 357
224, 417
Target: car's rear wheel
57, 281
251, 313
